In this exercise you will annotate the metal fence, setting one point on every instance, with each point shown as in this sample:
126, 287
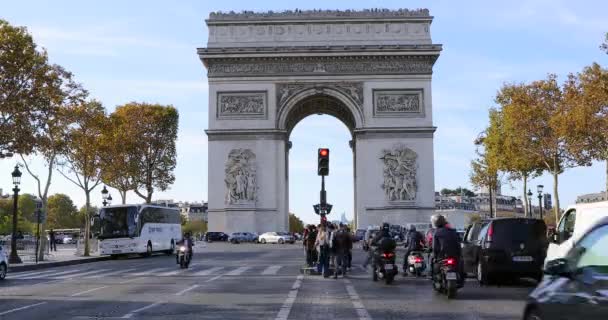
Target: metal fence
26, 249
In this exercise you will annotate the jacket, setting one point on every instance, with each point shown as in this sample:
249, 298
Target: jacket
446, 243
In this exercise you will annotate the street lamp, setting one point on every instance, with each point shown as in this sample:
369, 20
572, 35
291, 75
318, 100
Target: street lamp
109, 199
14, 257
529, 202
539, 188
104, 196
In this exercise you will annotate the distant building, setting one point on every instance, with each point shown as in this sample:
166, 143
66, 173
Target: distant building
194, 211
165, 203
591, 197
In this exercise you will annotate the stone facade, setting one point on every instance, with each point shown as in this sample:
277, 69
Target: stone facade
371, 69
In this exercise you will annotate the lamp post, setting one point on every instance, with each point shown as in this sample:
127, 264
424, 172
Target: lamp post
539, 189
109, 200
14, 257
104, 196
529, 202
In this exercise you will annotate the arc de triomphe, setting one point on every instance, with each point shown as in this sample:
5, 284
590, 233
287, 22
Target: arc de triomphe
371, 69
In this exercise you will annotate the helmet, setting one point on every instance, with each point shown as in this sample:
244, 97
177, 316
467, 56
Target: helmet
438, 221
386, 226
412, 227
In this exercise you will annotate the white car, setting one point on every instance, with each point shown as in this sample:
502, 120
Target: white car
276, 237
3, 263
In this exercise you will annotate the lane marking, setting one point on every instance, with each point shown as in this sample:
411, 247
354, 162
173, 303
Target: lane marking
68, 276
22, 308
291, 298
110, 273
215, 278
187, 289
171, 273
56, 274
28, 274
237, 271
271, 270
356, 301
132, 313
145, 273
208, 271
87, 291
130, 280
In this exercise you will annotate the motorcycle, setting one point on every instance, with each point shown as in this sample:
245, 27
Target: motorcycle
385, 267
446, 281
415, 263
183, 257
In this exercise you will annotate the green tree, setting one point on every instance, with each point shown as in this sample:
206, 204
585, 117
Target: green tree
295, 224
6, 216
195, 227
150, 133
22, 78
81, 160
62, 213
474, 217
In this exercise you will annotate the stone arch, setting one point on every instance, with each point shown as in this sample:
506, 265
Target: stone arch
319, 99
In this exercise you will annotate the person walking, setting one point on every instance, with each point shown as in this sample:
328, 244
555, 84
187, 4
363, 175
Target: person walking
309, 245
332, 246
322, 243
350, 249
343, 243
52, 240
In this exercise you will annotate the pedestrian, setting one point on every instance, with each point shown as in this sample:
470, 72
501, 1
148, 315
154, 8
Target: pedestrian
342, 245
322, 243
350, 249
53, 242
309, 245
332, 246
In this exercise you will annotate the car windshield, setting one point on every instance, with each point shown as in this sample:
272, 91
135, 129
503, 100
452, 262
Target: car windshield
118, 222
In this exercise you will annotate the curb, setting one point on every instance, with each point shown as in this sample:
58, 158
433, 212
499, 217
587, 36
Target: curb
29, 267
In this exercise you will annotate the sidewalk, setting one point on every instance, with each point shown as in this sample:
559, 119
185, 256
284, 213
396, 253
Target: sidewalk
61, 257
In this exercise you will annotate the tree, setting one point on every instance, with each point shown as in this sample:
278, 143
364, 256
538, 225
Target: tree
604, 45
81, 162
150, 132
195, 227
6, 215
485, 169
61, 91
22, 72
520, 165
585, 124
62, 213
295, 224
474, 217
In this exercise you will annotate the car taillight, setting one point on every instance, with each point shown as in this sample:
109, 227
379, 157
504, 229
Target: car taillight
490, 233
417, 260
388, 255
450, 262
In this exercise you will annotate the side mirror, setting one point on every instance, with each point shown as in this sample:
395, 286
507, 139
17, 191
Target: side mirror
558, 267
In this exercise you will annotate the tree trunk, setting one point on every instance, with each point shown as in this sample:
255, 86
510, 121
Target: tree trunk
43, 240
491, 203
556, 196
87, 224
526, 211
149, 196
123, 195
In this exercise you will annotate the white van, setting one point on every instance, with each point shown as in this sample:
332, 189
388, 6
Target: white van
575, 222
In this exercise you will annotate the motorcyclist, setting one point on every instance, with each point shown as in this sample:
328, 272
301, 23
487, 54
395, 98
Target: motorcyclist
378, 241
413, 242
446, 243
188, 242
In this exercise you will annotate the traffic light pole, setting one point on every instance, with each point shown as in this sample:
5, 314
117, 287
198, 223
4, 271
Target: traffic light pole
323, 199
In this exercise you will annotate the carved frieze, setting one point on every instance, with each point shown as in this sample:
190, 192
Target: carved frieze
398, 103
242, 104
320, 66
353, 90
400, 167
290, 14
241, 177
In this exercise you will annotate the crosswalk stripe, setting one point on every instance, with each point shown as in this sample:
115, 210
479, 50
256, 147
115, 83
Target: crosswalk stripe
29, 274
149, 272
53, 275
271, 270
171, 273
72, 275
208, 271
110, 273
237, 271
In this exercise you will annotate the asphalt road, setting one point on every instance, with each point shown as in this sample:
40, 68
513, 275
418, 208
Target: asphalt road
244, 281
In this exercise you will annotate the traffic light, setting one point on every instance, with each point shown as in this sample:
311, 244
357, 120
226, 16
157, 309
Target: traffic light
323, 169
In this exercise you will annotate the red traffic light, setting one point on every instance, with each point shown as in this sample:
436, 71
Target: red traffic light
323, 152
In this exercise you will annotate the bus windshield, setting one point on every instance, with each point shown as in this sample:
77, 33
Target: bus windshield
118, 222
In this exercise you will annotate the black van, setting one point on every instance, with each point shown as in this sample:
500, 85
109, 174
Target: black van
505, 247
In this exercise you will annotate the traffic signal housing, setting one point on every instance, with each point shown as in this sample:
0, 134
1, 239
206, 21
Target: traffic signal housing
323, 157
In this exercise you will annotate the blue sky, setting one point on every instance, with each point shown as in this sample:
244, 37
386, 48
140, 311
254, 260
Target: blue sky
146, 51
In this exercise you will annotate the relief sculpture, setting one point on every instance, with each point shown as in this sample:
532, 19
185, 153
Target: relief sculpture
400, 167
241, 186
241, 104
398, 102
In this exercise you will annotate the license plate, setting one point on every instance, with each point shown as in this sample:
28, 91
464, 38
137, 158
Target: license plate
450, 276
418, 265
116, 251
523, 259
389, 266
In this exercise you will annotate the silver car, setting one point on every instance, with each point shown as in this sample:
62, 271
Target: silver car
3, 263
276, 237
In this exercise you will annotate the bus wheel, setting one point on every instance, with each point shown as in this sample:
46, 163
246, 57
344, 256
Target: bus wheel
170, 251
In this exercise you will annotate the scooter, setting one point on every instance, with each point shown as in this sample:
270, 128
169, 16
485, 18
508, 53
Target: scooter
446, 281
183, 257
385, 267
415, 263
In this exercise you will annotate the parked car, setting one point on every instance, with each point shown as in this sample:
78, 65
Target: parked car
237, 237
574, 223
505, 247
359, 235
276, 237
216, 236
575, 286
3, 263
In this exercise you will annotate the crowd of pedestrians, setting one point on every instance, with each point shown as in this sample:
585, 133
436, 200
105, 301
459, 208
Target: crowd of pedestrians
329, 247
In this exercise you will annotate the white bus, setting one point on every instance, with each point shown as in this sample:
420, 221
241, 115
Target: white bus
127, 229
